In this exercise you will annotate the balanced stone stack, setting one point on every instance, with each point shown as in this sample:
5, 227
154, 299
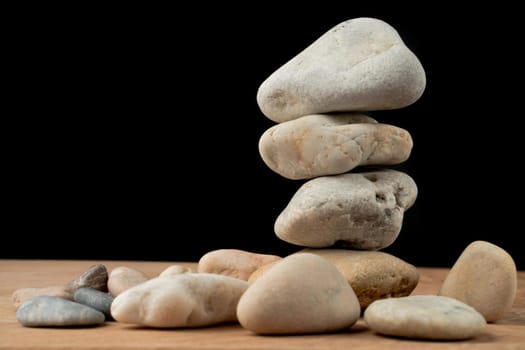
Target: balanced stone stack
317, 98
341, 216
359, 65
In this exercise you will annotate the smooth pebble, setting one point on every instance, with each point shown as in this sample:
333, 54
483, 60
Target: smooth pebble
302, 293
484, 277
424, 317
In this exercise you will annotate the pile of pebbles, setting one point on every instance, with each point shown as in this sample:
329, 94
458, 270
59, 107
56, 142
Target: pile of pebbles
339, 217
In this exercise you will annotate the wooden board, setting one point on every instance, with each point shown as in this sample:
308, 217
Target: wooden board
508, 333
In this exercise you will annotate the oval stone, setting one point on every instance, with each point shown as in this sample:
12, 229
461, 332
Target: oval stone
321, 144
122, 278
96, 299
361, 64
424, 317
372, 275
234, 262
48, 311
184, 300
484, 277
302, 293
356, 210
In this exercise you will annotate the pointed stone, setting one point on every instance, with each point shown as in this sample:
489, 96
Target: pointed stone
322, 144
46, 311
361, 64
484, 277
95, 276
302, 293
356, 210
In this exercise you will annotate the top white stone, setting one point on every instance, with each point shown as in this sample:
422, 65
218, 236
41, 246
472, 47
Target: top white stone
361, 64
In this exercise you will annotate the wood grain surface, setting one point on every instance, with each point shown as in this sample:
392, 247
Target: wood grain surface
508, 333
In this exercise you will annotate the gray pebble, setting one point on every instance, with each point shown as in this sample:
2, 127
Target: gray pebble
96, 299
95, 276
46, 311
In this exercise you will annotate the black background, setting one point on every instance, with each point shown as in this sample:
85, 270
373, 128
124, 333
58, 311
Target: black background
132, 132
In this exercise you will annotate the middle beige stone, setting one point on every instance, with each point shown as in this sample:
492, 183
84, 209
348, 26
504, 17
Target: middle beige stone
322, 144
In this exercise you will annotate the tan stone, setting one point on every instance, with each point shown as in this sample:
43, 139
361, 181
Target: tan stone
372, 275
123, 278
260, 271
175, 270
302, 293
23, 294
234, 262
321, 144
484, 277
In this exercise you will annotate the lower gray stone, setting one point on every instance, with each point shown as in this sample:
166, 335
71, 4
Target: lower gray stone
96, 299
46, 311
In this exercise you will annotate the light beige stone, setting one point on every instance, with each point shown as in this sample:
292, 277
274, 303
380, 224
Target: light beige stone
184, 300
361, 64
356, 210
175, 270
234, 262
424, 317
123, 278
302, 293
372, 275
484, 277
21, 295
321, 144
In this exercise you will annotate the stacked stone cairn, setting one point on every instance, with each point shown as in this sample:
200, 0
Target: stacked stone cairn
340, 217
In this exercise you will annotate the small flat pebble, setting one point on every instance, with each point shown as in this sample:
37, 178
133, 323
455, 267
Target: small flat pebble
424, 317
47, 311
23, 294
96, 299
